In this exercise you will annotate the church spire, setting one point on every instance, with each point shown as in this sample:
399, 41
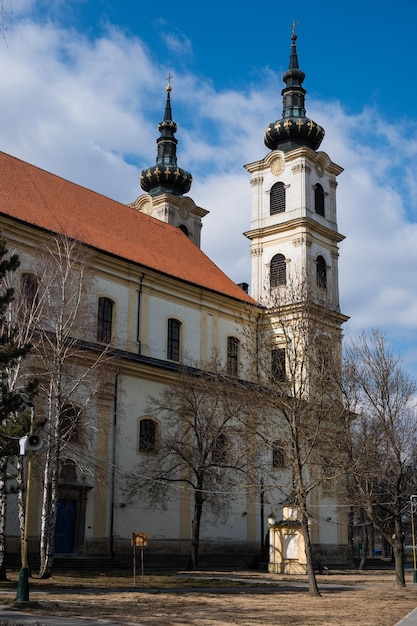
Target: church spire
166, 176
294, 129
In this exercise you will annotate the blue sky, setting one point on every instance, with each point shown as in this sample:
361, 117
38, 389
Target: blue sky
82, 86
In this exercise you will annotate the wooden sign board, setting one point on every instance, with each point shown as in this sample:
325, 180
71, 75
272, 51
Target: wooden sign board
140, 540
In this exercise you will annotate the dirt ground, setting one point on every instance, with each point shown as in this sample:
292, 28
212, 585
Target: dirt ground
349, 598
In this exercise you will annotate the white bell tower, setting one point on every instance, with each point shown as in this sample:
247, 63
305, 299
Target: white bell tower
294, 236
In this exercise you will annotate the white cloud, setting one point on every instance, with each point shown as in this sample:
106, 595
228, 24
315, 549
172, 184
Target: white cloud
88, 111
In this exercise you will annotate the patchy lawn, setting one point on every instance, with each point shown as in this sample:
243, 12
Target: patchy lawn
241, 598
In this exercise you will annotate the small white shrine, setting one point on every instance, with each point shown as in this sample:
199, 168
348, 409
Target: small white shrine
286, 544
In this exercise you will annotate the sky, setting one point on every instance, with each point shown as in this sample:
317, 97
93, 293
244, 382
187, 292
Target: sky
83, 87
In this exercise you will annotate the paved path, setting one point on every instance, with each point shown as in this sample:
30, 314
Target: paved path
409, 620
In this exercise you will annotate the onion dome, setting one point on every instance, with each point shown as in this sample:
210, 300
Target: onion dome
166, 176
294, 129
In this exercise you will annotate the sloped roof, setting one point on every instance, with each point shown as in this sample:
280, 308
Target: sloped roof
37, 197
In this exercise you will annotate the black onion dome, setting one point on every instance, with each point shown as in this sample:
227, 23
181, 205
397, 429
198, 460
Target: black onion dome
294, 129
166, 176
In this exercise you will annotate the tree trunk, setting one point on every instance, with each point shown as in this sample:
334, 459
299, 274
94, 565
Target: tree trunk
312, 581
3, 509
195, 532
364, 542
398, 551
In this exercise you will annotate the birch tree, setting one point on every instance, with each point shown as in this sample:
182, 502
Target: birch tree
382, 438
73, 370
202, 446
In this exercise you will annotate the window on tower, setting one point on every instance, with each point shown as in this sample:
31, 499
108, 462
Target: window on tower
321, 272
184, 229
319, 199
278, 271
277, 199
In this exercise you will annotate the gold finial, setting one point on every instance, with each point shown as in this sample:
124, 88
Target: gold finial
293, 28
169, 88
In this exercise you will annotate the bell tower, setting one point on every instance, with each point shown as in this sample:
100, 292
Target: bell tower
166, 184
294, 236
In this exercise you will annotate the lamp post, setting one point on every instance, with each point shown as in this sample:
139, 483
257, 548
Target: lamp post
27, 443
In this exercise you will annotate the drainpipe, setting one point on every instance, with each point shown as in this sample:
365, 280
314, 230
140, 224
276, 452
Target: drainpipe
139, 313
113, 464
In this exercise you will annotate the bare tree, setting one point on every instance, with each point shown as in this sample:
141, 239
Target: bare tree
202, 444
16, 388
71, 368
298, 362
383, 437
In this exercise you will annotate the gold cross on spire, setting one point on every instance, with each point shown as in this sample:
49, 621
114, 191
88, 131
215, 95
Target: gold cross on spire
169, 88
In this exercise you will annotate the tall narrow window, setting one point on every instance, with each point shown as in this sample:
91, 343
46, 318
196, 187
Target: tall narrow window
277, 199
278, 271
319, 199
321, 270
219, 449
278, 454
147, 435
278, 364
173, 339
70, 424
104, 320
232, 356
30, 286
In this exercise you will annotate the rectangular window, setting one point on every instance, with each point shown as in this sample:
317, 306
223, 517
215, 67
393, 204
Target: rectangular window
278, 364
232, 356
173, 340
104, 320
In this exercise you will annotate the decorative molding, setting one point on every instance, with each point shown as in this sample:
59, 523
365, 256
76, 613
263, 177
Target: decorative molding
256, 180
301, 167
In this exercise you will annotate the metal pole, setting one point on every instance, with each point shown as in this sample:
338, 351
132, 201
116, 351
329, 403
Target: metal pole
23, 582
22, 594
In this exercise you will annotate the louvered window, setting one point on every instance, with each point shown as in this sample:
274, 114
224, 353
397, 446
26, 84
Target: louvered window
278, 271
277, 199
321, 270
319, 199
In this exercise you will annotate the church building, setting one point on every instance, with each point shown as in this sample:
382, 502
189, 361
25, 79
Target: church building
157, 301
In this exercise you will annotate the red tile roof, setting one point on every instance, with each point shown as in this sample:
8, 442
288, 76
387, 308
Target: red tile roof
32, 195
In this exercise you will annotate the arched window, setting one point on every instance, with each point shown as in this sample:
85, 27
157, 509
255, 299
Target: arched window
184, 229
70, 424
173, 339
104, 320
277, 199
219, 449
278, 365
147, 435
319, 199
279, 459
321, 272
278, 271
30, 287
232, 356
